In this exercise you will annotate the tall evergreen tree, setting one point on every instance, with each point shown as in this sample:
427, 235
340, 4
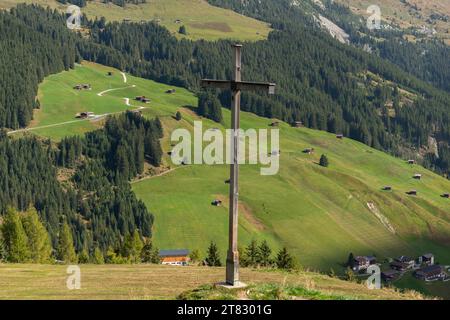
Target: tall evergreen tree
251, 254
284, 260
65, 250
213, 258
39, 242
14, 238
264, 254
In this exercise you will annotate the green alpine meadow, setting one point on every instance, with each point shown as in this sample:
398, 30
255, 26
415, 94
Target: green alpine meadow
224, 150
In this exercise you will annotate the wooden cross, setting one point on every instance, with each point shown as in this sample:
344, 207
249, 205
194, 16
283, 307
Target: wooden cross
235, 86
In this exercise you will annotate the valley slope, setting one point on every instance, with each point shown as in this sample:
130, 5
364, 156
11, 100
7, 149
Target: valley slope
319, 214
202, 20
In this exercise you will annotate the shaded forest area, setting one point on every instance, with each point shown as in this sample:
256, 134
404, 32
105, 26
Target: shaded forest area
83, 181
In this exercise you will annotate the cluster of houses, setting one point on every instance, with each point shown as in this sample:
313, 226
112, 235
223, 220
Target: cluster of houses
424, 267
82, 86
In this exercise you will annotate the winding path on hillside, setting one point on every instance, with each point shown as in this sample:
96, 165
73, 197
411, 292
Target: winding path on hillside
124, 76
100, 94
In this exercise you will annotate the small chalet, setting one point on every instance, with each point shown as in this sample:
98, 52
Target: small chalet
389, 275
84, 86
446, 195
308, 151
174, 257
216, 203
84, 115
142, 99
363, 262
417, 176
427, 259
171, 91
411, 161
412, 193
431, 273
387, 188
407, 260
297, 124
399, 266
340, 136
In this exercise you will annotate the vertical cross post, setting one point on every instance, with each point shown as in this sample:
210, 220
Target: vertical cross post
232, 268
235, 85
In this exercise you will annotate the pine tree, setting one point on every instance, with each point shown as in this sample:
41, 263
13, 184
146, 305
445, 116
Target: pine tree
39, 242
350, 260
284, 260
98, 256
83, 257
194, 256
155, 256
251, 254
182, 30
14, 238
132, 247
146, 253
323, 161
65, 250
213, 258
264, 253
178, 116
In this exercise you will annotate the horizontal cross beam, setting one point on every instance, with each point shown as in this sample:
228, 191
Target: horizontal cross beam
239, 85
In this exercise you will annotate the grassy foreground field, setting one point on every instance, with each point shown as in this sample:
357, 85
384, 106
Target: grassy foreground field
161, 282
202, 20
320, 214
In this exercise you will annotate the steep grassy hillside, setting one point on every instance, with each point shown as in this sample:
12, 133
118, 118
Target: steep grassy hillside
202, 20
433, 14
108, 95
320, 214
162, 282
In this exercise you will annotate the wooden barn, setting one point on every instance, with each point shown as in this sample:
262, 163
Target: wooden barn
427, 258
297, 124
174, 257
390, 275
274, 124
412, 193
84, 115
387, 188
431, 273
399, 266
411, 161
171, 91
308, 151
340, 136
446, 195
417, 176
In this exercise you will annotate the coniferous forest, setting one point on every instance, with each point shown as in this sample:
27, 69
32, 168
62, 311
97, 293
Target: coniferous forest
321, 82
